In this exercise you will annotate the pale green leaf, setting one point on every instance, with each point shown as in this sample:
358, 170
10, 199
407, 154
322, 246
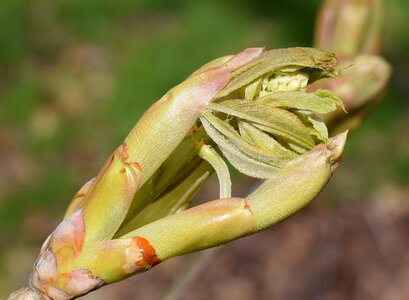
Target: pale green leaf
321, 101
278, 121
219, 165
263, 141
250, 91
244, 157
317, 63
319, 129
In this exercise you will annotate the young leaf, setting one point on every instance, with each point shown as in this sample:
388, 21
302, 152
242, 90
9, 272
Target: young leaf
321, 101
243, 156
319, 129
263, 141
279, 121
316, 63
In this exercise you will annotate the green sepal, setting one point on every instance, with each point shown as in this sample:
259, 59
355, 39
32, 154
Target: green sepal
173, 201
296, 184
180, 164
207, 225
109, 198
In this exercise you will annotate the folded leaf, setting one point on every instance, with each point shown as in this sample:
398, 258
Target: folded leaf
321, 101
319, 129
263, 141
278, 121
243, 156
316, 63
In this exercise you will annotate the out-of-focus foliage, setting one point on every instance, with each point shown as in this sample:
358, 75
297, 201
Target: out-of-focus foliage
75, 75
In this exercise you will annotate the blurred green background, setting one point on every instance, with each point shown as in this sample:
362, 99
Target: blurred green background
75, 75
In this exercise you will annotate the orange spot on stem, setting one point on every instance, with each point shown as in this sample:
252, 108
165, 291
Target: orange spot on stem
247, 206
136, 165
148, 253
124, 151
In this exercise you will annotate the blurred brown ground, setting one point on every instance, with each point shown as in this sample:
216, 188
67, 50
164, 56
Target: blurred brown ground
357, 252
